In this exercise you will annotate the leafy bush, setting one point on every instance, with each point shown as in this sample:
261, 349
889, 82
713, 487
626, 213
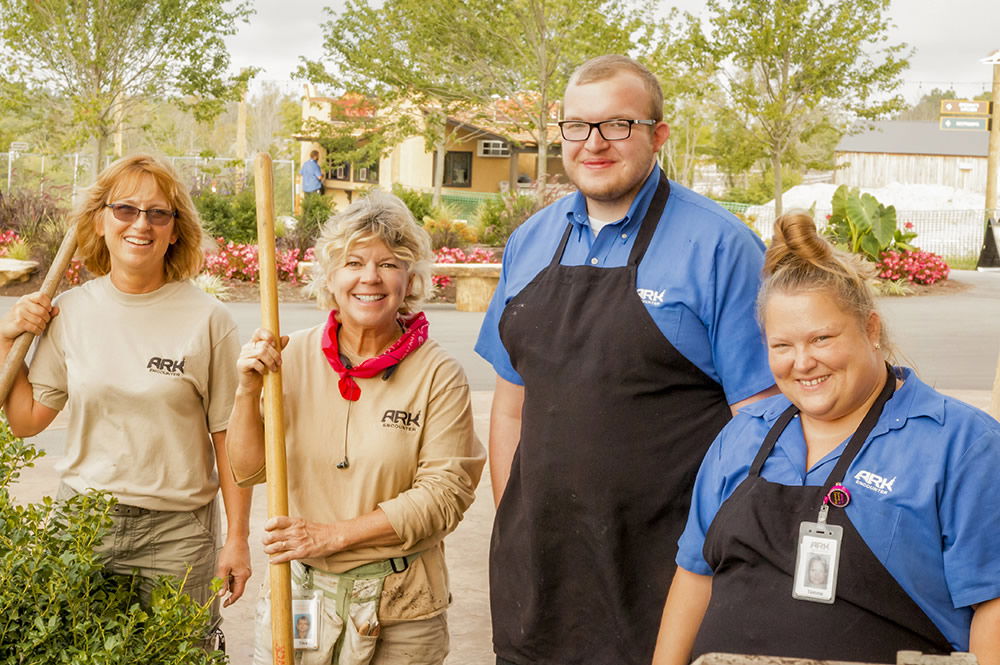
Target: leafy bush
864, 226
419, 203
912, 265
59, 605
37, 217
498, 217
316, 209
446, 231
233, 217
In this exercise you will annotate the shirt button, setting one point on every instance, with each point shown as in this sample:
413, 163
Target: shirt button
594, 261
624, 236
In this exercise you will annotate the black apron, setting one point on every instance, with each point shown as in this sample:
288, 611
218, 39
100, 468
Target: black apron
614, 426
751, 548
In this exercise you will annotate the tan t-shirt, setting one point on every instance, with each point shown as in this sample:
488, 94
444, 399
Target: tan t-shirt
147, 377
412, 451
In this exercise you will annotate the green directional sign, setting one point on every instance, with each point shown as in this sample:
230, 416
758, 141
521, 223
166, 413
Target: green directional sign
965, 122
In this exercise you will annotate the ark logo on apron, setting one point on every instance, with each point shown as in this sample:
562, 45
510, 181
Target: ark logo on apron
652, 298
165, 366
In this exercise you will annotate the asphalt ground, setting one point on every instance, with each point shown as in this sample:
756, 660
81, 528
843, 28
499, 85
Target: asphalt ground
951, 339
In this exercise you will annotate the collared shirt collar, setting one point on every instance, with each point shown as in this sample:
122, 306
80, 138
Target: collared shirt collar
913, 400
578, 215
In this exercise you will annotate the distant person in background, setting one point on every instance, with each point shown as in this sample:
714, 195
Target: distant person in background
312, 175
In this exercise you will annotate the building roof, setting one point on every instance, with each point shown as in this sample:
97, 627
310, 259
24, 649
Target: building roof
916, 138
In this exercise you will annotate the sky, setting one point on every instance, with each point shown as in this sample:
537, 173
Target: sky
949, 38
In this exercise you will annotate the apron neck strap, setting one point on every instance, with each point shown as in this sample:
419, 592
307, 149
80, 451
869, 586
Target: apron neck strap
853, 447
650, 221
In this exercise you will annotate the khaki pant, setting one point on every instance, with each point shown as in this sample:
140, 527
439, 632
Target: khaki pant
419, 642
154, 543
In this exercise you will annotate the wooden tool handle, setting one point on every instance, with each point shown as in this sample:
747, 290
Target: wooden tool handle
49, 285
274, 425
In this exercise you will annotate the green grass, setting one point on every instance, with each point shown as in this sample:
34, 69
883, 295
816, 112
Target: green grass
962, 262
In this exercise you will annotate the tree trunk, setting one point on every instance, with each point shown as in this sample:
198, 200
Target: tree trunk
542, 168
776, 165
100, 147
439, 153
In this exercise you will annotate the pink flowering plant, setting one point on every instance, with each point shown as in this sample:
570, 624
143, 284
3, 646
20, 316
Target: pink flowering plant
239, 261
458, 255
914, 266
7, 238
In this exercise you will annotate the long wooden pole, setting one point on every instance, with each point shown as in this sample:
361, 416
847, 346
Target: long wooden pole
49, 285
274, 425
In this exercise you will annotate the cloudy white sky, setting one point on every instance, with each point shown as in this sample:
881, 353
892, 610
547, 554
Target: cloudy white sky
949, 37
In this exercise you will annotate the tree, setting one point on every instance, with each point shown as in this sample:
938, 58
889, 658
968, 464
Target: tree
105, 58
787, 65
459, 55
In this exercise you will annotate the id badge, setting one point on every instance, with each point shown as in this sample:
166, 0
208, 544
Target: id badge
306, 607
817, 561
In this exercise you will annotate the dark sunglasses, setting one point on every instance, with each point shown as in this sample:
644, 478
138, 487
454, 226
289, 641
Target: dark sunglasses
123, 212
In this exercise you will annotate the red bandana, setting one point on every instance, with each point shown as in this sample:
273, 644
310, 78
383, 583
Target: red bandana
414, 334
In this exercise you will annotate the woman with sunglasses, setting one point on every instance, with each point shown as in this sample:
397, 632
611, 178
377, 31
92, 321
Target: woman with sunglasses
145, 362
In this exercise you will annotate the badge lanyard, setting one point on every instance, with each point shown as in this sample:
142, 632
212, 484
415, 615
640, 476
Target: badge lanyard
817, 559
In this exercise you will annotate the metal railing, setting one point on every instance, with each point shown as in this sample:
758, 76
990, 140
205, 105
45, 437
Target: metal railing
64, 175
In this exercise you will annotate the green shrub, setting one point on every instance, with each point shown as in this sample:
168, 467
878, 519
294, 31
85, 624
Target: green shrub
419, 203
58, 605
446, 231
233, 217
38, 218
498, 217
864, 226
316, 209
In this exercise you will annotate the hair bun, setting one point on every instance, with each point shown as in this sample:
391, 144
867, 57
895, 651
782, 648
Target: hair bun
796, 239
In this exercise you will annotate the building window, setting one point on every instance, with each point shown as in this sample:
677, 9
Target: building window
338, 171
458, 169
368, 173
490, 148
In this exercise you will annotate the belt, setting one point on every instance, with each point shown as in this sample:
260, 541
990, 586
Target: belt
123, 510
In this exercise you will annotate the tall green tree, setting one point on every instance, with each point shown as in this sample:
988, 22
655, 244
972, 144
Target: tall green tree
455, 55
781, 62
105, 58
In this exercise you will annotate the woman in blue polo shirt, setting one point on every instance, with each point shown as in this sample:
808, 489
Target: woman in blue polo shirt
850, 517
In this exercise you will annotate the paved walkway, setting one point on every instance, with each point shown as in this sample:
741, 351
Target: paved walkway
952, 339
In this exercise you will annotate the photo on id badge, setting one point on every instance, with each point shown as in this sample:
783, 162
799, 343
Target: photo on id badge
305, 615
815, 569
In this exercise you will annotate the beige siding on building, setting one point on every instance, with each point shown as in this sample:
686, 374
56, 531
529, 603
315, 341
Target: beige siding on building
858, 169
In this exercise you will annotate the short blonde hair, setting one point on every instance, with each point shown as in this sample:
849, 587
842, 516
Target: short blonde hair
378, 216
605, 67
183, 259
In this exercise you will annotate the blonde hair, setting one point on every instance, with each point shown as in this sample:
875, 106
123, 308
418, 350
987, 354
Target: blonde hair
800, 260
382, 217
605, 67
184, 257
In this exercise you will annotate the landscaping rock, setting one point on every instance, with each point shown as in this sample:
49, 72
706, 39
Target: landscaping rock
13, 271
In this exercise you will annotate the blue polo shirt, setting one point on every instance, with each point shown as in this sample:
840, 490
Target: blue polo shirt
311, 176
923, 495
698, 280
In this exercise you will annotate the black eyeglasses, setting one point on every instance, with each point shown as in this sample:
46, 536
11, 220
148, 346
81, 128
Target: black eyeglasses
618, 129
123, 212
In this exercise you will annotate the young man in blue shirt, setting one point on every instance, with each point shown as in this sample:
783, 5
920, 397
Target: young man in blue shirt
312, 175
623, 336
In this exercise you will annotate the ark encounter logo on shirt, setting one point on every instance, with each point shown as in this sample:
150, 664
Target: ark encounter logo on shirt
652, 298
399, 419
166, 366
874, 482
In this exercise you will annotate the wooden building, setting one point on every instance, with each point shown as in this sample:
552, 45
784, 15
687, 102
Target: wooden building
912, 153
